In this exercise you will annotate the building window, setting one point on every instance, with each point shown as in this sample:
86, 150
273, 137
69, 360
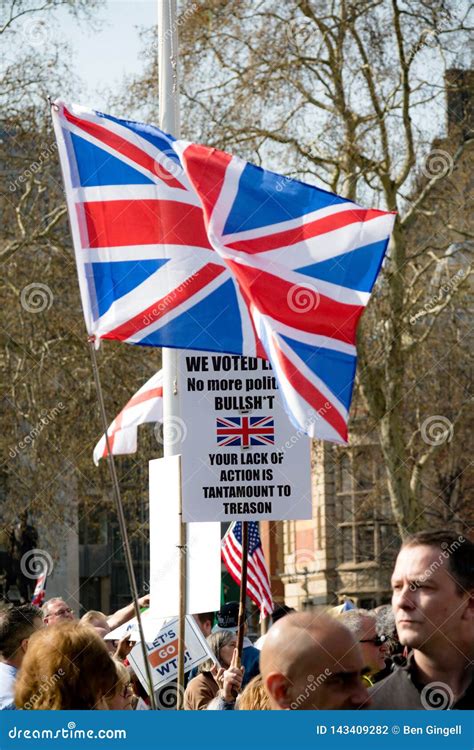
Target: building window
389, 542
365, 543
345, 475
367, 532
347, 546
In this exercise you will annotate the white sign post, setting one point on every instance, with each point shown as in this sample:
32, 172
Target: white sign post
203, 549
163, 653
242, 459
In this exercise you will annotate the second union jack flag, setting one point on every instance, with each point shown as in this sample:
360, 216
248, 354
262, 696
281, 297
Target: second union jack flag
185, 246
245, 431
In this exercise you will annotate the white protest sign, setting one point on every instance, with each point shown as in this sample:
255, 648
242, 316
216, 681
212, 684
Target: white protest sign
242, 459
163, 653
203, 548
151, 626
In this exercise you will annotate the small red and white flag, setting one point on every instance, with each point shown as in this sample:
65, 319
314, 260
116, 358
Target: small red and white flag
40, 589
145, 406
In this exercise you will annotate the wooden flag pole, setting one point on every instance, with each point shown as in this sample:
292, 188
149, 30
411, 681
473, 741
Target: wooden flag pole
168, 98
121, 520
243, 589
182, 602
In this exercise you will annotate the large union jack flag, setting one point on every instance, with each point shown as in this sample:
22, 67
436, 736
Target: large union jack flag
185, 246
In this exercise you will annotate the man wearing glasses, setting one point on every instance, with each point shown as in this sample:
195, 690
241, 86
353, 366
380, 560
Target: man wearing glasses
363, 625
56, 610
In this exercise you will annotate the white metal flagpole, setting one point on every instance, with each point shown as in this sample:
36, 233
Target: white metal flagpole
168, 96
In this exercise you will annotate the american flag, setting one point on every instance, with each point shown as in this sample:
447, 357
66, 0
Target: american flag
245, 431
258, 581
145, 406
185, 246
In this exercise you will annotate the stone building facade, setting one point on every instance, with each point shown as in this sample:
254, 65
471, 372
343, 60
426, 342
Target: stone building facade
348, 547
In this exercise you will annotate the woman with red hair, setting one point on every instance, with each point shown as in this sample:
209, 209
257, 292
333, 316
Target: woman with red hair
67, 667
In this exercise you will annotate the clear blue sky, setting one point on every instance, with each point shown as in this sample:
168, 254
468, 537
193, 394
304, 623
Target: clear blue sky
102, 58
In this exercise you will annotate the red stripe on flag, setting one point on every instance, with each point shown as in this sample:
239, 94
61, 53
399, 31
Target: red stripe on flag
124, 147
144, 222
311, 394
139, 398
111, 435
263, 578
278, 298
306, 231
258, 584
261, 567
163, 306
206, 168
260, 572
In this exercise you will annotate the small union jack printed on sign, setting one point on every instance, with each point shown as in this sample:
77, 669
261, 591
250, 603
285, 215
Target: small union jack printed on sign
245, 431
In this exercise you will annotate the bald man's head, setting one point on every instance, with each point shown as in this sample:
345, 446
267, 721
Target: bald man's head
312, 661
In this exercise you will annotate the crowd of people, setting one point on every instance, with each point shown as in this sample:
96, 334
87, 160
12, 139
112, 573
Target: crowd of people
417, 653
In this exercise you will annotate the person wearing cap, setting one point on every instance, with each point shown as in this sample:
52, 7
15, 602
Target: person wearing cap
227, 620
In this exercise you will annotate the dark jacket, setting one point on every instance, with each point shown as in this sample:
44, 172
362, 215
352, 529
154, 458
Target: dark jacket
401, 691
251, 661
